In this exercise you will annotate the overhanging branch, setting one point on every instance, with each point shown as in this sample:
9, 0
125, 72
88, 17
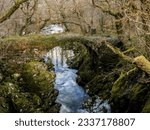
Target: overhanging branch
11, 10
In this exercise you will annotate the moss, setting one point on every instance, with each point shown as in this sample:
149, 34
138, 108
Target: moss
26, 102
120, 84
80, 54
142, 63
1, 77
37, 78
86, 73
31, 39
4, 105
12, 99
48, 104
121, 91
39, 81
129, 93
7, 89
6, 92
101, 85
146, 108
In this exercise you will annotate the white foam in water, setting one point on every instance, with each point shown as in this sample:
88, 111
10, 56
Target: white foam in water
100, 106
71, 96
52, 29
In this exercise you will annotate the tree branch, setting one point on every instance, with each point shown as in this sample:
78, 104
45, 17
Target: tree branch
140, 61
104, 10
11, 10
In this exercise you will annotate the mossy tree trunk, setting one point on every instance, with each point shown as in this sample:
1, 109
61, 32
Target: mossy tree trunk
140, 61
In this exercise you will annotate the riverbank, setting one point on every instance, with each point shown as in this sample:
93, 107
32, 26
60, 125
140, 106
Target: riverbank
27, 83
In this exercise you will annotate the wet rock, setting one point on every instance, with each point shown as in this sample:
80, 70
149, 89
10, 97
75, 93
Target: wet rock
48, 62
97, 105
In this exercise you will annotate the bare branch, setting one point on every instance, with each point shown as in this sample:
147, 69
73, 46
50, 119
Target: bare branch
11, 10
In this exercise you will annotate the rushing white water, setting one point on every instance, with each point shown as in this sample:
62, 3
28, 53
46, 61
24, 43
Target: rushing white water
71, 96
52, 29
99, 106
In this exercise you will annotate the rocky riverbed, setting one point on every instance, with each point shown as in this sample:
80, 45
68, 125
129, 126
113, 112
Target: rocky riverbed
28, 84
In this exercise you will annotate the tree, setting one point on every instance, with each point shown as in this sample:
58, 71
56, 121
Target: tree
11, 10
28, 10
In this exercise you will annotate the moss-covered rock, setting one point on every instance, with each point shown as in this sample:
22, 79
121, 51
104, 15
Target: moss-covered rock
34, 91
30, 87
6, 91
40, 81
4, 105
98, 60
86, 71
101, 85
26, 102
128, 93
146, 108
103, 73
107, 59
37, 78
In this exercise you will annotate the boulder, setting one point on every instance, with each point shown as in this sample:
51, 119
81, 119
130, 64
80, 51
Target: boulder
39, 80
129, 92
37, 77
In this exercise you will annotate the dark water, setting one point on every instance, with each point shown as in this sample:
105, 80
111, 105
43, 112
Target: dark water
71, 95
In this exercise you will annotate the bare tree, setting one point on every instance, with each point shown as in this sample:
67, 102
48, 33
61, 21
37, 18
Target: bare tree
11, 10
28, 9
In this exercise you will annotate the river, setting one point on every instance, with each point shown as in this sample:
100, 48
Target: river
71, 96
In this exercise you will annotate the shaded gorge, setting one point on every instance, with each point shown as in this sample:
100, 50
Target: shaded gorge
72, 97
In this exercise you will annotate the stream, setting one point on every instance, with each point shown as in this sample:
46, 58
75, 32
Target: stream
71, 96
